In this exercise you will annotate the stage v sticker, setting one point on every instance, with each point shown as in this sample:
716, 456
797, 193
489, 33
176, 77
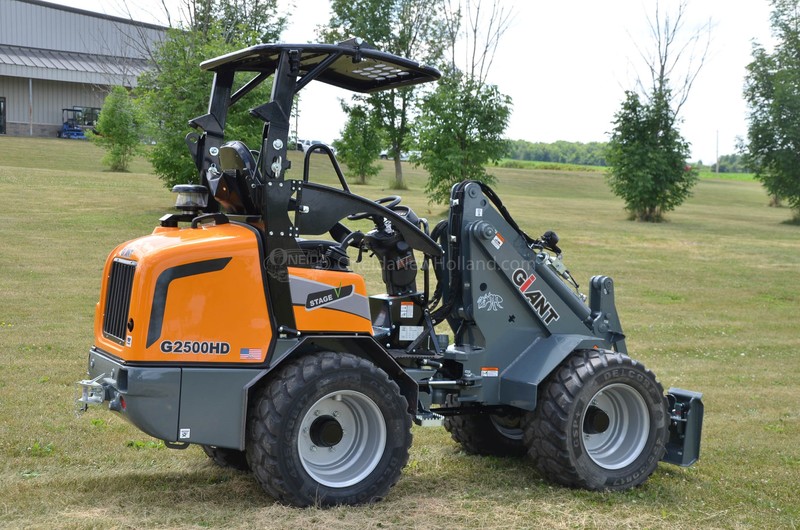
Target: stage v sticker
537, 300
328, 296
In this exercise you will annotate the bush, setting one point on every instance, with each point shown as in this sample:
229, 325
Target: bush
119, 129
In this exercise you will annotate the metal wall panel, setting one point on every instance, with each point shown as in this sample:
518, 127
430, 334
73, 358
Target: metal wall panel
16, 93
49, 97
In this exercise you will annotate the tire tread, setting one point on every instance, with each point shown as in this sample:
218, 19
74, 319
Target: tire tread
274, 401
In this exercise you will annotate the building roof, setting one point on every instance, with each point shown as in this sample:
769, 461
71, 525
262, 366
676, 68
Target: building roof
19, 61
53, 5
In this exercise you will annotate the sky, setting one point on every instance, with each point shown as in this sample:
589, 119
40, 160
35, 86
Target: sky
565, 64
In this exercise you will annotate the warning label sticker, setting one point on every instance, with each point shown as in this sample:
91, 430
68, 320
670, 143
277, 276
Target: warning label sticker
406, 309
498, 241
410, 332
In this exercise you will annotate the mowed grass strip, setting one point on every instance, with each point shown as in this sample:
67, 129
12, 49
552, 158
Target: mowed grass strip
709, 301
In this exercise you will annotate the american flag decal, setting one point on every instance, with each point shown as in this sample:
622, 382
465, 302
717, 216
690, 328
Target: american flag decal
250, 354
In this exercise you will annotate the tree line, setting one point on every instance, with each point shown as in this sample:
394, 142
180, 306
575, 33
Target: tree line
594, 154
459, 125
562, 152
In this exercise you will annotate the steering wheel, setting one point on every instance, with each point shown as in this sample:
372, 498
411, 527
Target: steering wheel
390, 202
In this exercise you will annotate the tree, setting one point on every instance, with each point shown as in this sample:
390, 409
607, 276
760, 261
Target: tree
409, 28
361, 143
648, 157
173, 93
462, 123
460, 130
119, 127
675, 56
647, 154
176, 90
772, 92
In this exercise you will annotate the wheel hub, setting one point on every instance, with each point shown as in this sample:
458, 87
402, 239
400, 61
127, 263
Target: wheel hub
326, 432
596, 421
342, 438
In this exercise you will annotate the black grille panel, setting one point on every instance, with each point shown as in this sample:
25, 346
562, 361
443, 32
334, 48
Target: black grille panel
118, 299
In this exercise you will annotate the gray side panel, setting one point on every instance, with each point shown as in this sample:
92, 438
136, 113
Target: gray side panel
49, 97
152, 400
54, 27
213, 407
520, 380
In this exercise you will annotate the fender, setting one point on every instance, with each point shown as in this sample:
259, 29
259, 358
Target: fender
363, 346
521, 378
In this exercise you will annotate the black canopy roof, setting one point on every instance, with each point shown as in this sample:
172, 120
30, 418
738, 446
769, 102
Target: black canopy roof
354, 65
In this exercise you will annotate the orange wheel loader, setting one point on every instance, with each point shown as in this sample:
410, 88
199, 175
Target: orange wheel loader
239, 325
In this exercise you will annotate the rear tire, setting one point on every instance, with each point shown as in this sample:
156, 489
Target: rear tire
224, 457
328, 429
601, 422
486, 434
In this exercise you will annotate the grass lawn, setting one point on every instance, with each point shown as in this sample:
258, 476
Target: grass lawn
709, 301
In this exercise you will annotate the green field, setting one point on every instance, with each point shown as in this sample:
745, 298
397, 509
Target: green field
709, 300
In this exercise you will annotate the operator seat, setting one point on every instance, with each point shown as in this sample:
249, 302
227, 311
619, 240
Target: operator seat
231, 189
231, 186
236, 155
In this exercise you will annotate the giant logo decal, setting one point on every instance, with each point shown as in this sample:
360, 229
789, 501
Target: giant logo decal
537, 300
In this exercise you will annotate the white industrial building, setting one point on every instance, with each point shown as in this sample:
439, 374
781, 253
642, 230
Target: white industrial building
54, 58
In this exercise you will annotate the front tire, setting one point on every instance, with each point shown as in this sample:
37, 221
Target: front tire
328, 429
601, 423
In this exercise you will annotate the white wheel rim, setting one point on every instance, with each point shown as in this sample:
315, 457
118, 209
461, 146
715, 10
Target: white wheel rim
616, 426
342, 438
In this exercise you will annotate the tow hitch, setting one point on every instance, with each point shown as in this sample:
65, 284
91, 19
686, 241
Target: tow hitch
92, 392
686, 415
